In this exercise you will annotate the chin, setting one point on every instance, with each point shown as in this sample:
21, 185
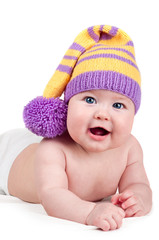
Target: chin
95, 149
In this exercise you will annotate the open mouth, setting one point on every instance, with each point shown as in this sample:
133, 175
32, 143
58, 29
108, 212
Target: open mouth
98, 131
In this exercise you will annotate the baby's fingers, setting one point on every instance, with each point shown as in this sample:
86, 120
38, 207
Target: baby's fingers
108, 224
122, 197
129, 202
125, 195
118, 219
121, 212
132, 211
103, 224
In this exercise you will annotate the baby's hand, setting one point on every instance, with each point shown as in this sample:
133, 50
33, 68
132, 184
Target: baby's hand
106, 216
131, 203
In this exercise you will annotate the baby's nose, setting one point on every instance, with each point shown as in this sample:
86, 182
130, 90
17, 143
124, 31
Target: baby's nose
102, 115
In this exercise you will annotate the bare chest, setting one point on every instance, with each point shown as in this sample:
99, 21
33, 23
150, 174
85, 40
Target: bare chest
96, 179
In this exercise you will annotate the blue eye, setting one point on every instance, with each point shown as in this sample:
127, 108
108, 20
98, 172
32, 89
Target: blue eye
118, 105
90, 100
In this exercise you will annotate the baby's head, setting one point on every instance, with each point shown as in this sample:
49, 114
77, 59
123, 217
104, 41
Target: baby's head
101, 58
100, 119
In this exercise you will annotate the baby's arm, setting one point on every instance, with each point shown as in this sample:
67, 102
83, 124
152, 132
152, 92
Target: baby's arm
52, 185
135, 195
58, 201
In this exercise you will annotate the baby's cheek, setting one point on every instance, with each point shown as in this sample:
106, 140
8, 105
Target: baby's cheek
120, 135
125, 127
74, 127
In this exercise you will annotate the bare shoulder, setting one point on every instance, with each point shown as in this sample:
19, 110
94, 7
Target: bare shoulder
133, 141
53, 150
49, 150
49, 144
135, 152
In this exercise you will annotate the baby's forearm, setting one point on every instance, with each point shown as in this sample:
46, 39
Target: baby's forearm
145, 193
62, 203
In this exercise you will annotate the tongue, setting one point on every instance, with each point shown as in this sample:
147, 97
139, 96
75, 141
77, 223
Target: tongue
98, 131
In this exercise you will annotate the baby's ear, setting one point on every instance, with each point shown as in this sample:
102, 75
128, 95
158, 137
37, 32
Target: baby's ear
46, 117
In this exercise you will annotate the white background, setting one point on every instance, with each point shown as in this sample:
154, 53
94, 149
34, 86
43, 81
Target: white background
34, 36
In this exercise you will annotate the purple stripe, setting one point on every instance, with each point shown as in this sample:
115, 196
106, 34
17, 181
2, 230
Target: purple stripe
130, 43
109, 80
64, 68
119, 49
105, 36
70, 57
113, 31
108, 56
92, 34
101, 27
110, 35
78, 47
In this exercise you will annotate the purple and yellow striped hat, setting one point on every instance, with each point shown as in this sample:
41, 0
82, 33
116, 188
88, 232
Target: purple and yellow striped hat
101, 57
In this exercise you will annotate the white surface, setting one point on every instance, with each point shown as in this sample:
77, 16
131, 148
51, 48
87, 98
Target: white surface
20, 220
35, 35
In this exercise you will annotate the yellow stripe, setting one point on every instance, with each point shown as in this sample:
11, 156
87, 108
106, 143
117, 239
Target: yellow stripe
96, 29
106, 28
84, 39
56, 85
110, 65
113, 41
72, 52
68, 62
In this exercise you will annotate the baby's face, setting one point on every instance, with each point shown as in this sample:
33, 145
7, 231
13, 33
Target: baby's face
99, 120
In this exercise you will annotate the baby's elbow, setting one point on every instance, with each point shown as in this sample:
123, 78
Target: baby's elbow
148, 201
151, 200
45, 195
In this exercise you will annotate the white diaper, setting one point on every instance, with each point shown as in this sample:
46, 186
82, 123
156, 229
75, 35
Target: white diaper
11, 144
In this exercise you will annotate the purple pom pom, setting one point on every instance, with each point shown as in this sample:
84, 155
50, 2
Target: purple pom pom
46, 117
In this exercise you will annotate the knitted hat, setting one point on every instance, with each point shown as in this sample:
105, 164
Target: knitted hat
101, 57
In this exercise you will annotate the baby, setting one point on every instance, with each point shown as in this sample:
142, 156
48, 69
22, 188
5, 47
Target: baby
87, 152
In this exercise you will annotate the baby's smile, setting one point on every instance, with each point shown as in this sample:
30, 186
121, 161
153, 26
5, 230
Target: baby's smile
99, 131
